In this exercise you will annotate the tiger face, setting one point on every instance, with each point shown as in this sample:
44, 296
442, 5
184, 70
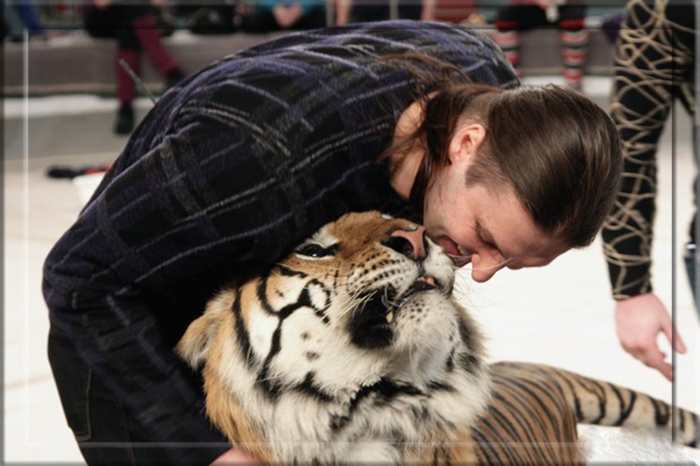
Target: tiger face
372, 285
350, 349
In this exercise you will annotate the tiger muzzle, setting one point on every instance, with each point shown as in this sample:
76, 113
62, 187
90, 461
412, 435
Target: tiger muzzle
372, 323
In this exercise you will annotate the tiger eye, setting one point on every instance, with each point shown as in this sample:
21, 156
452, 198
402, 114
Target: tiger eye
316, 250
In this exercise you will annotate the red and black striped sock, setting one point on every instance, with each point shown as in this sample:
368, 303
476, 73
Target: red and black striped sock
574, 43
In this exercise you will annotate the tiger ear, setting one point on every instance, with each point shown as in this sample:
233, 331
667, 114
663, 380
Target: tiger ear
195, 343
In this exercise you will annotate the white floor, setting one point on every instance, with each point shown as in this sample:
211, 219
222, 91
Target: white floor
559, 315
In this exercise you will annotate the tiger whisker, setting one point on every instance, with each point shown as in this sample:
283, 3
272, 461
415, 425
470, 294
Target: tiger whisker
356, 303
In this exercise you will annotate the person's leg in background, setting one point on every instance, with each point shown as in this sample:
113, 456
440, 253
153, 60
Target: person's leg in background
693, 91
313, 19
135, 29
510, 22
681, 19
106, 23
14, 28
28, 12
146, 29
410, 9
366, 11
691, 254
574, 38
128, 50
258, 21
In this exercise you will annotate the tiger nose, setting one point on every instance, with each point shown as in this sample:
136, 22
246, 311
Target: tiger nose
409, 243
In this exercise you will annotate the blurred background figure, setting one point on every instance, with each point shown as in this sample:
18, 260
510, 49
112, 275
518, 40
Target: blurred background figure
18, 15
654, 64
206, 17
277, 15
135, 28
524, 15
464, 12
357, 11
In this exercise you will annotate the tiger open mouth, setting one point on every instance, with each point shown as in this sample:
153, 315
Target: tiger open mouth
371, 324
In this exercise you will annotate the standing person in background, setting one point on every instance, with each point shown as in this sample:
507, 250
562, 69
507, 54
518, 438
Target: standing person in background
21, 15
359, 11
135, 28
573, 37
655, 62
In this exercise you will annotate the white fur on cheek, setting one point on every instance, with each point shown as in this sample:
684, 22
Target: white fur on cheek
319, 296
301, 346
286, 294
261, 328
325, 351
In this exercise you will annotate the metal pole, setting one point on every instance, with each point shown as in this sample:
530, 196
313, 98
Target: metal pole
136, 79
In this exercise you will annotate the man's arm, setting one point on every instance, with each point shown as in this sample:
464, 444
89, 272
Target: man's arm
641, 104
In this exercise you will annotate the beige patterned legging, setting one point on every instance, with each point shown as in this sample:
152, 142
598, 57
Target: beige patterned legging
654, 63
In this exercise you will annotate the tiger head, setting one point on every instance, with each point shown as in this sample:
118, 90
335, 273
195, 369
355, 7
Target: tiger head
352, 339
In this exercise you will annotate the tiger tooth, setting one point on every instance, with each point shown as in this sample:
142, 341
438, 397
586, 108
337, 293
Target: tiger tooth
390, 317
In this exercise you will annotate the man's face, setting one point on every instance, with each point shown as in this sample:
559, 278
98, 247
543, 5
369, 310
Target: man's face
490, 230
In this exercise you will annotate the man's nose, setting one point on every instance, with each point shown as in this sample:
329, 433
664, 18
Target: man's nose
409, 243
483, 268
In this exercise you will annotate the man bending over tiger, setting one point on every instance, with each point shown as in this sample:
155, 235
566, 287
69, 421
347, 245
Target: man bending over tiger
352, 350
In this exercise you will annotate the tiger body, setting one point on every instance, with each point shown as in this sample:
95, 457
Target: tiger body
352, 351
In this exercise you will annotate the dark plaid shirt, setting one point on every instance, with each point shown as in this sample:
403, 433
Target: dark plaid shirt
224, 175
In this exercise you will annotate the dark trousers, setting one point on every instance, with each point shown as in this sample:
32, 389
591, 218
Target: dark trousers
691, 255
264, 21
364, 11
135, 29
115, 22
100, 421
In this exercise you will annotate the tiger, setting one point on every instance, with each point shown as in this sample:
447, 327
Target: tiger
353, 350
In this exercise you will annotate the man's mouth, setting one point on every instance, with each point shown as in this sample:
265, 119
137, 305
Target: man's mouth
460, 256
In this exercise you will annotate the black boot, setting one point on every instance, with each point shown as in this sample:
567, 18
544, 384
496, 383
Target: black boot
125, 119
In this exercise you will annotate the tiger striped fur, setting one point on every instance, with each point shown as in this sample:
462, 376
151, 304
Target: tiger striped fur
350, 351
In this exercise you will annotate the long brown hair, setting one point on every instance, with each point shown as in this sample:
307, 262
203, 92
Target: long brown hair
556, 149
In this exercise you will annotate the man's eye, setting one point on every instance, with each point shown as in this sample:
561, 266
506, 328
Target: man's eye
316, 250
487, 243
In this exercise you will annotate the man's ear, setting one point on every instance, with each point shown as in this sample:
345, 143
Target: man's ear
466, 141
